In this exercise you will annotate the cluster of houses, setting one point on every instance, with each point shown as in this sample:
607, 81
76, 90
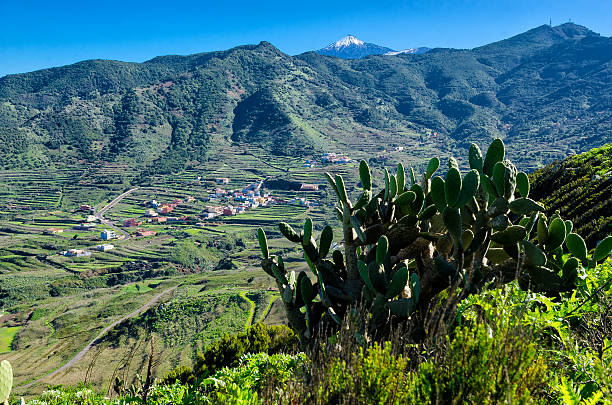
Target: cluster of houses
243, 200
156, 208
156, 213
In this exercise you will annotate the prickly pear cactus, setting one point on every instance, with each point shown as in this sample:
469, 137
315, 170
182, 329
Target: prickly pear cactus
6, 381
413, 239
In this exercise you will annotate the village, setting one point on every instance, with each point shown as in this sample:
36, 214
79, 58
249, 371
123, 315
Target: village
220, 203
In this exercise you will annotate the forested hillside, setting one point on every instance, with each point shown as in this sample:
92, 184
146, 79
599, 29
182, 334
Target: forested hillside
546, 92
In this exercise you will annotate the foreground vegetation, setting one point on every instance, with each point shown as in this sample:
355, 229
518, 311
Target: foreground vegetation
537, 334
502, 345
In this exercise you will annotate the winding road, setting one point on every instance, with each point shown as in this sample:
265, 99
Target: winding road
96, 340
100, 213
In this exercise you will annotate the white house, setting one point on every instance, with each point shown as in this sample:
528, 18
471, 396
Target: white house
107, 234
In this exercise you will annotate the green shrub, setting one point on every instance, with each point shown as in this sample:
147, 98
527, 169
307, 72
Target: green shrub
64, 395
227, 351
182, 374
373, 377
486, 367
243, 384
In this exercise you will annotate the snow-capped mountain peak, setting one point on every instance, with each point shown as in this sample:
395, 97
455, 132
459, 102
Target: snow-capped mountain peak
347, 41
350, 47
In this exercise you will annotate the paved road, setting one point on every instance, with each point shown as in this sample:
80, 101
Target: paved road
100, 214
91, 344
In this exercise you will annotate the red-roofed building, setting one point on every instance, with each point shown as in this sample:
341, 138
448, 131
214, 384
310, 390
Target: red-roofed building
165, 209
130, 222
309, 187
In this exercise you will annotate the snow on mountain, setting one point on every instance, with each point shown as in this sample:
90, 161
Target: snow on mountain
350, 47
421, 49
346, 41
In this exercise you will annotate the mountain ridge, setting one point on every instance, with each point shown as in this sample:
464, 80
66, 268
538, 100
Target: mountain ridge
173, 109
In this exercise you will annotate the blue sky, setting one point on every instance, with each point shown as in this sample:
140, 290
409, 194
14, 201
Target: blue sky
40, 34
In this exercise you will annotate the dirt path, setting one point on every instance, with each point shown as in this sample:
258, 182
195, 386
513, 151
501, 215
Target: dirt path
92, 343
100, 214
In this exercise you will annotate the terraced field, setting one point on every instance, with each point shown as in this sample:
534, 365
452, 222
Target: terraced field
54, 304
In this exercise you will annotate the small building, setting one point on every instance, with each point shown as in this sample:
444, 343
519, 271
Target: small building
159, 220
165, 209
152, 203
85, 227
107, 234
105, 247
52, 231
146, 233
150, 213
130, 222
213, 209
299, 201
222, 180
76, 253
86, 208
309, 187
229, 211
92, 218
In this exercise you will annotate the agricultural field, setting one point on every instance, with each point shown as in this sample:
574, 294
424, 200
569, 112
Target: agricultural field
186, 283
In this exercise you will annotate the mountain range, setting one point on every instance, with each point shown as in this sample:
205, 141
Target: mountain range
350, 47
547, 92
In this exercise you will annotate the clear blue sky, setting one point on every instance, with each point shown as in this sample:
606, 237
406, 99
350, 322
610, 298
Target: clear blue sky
39, 34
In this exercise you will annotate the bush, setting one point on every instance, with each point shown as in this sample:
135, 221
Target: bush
243, 384
227, 351
373, 377
486, 367
60, 395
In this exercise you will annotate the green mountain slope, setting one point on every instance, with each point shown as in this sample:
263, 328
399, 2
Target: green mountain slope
546, 92
580, 187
